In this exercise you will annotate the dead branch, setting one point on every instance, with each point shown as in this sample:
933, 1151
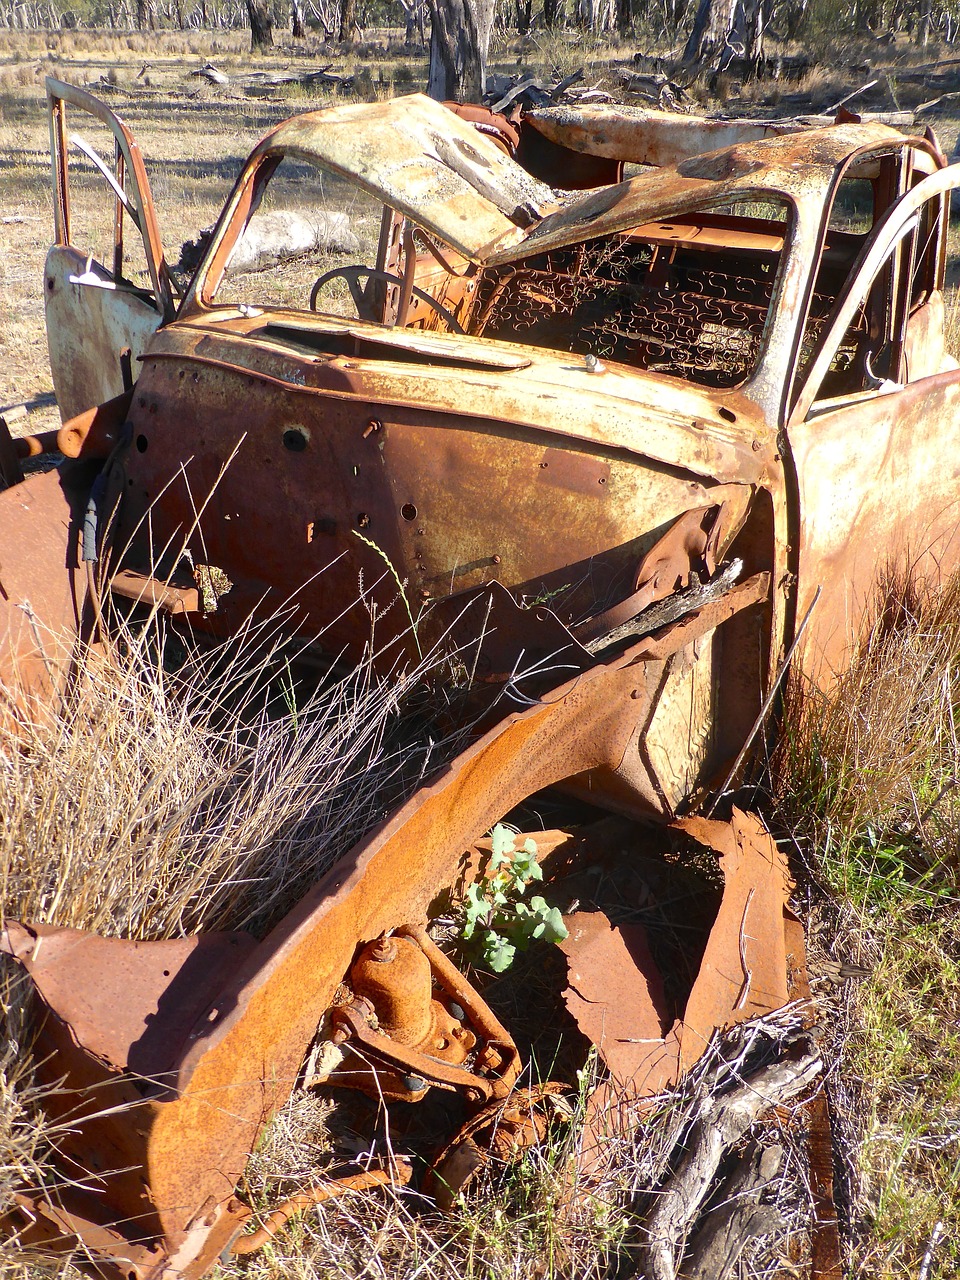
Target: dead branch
738, 1218
722, 1123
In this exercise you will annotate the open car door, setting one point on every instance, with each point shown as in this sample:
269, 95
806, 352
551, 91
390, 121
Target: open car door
107, 287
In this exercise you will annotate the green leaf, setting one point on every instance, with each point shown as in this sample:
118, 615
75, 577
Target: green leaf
498, 952
502, 841
554, 928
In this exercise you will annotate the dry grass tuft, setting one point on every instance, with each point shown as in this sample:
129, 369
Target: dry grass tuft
203, 789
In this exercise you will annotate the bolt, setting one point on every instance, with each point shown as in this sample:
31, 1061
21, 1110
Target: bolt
496, 559
373, 425
383, 950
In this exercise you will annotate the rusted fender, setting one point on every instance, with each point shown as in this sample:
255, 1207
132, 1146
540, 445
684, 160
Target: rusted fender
615, 991
169, 1136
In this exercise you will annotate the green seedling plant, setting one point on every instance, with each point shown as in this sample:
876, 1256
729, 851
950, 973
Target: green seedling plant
499, 920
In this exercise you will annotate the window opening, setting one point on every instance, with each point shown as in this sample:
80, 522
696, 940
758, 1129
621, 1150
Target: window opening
687, 297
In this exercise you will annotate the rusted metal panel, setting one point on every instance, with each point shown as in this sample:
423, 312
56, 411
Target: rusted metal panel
616, 991
88, 328
883, 479
42, 593
641, 135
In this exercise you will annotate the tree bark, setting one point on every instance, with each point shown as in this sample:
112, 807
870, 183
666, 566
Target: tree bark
296, 20
459, 41
711, 28
554, 13
261, 24
348, 19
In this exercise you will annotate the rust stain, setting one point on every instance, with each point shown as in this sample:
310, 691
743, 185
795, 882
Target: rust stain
576, 425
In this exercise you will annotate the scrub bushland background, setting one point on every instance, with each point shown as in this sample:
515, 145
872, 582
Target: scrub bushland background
863, 787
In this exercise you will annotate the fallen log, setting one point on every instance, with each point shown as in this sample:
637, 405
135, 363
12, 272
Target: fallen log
278, 236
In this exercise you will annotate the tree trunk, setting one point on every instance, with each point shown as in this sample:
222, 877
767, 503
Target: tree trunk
348, 19
750, 25
624, 16
261, 24
711, 28
459, 40
554, 14
926, 21
296, 20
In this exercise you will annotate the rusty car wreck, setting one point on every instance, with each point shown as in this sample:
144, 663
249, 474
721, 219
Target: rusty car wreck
617, 436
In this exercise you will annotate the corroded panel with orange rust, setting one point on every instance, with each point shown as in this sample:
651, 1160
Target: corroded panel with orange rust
651, 419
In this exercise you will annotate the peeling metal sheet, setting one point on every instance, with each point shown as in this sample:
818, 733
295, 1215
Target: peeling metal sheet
129, 1003
795, 163
616, 992
616, 996
640, 135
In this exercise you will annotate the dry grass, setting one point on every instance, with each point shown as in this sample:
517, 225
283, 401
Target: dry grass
183, 790
867, 781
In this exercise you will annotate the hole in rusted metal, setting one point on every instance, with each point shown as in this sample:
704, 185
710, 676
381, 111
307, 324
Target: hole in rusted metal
296, 439
142, 443
408, 511
727, 414
363, 519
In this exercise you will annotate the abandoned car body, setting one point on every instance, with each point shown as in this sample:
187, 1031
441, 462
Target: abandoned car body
615, 442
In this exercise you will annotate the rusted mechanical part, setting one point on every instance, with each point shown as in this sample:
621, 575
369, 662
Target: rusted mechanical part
407, 1039
204, 1091
95, 432
168, 596
398, 1175
34, 446
502, 1131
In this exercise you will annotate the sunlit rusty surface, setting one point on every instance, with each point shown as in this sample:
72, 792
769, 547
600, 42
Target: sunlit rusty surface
616, 991
607, 446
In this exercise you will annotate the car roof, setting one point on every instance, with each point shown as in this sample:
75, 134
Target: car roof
425, 161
